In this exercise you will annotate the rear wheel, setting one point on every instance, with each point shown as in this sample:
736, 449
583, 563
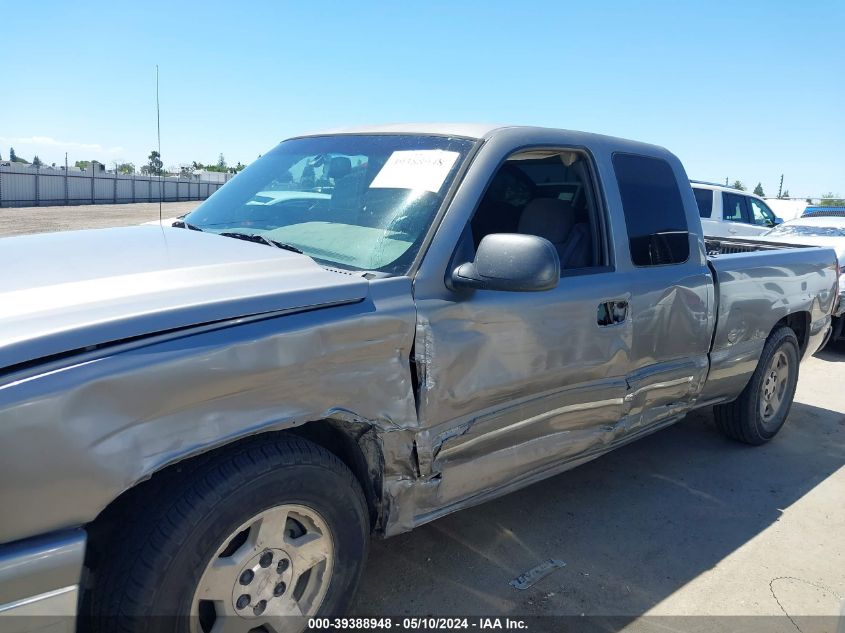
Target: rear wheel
762, 407
256, 539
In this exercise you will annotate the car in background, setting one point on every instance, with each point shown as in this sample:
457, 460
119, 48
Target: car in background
831, 212
819, 228
729, 212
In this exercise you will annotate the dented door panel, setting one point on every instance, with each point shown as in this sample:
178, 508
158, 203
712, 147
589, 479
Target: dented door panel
673, 318
512, 382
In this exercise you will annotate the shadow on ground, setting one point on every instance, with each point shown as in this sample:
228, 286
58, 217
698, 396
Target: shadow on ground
633, 526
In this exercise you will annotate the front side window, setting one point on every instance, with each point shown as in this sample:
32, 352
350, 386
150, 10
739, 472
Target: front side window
547, 193
734, 207
654, 211
704, 199
361, 202
761, 215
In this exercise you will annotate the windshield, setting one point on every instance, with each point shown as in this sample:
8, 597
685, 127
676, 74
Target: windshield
354, 201
808, 230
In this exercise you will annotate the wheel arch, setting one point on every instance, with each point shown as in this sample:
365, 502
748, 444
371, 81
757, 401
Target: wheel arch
731, 366
354, 444
798, 322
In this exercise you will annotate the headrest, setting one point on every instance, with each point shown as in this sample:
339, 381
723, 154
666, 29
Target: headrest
550, 218
339, 167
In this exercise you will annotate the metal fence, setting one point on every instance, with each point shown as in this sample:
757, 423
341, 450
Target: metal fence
26, 186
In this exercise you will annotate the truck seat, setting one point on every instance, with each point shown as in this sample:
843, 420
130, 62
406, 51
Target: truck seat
554, 220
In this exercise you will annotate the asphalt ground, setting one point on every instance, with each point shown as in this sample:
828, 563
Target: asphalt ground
682, 530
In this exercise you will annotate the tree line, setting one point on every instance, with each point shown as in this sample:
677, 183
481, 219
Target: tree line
829, 199
155, 167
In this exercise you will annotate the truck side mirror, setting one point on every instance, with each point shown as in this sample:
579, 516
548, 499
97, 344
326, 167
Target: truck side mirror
510, 262
777, 221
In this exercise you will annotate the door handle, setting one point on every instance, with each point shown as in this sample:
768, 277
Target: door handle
611, 313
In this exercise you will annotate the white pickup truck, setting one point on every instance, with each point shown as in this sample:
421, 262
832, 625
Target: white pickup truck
729, 212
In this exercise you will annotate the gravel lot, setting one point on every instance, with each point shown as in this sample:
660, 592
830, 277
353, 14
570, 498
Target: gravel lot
22, 220
681, 523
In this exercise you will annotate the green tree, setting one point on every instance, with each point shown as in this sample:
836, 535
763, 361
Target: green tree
125, 168
758, 190
36, 162
13, 157
154, 164
831, 200
738, 185
219, 166
82, 164
785, 194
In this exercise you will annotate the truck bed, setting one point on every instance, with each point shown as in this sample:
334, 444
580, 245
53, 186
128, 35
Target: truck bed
758, 283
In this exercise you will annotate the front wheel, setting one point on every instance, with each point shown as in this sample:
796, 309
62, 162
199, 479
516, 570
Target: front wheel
762, 407
257, 539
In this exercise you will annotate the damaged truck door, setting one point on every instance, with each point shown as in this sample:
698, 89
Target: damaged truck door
515, 382
516, 386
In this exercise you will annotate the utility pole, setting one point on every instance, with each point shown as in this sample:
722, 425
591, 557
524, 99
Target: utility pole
726, 181
780, 187
66, 177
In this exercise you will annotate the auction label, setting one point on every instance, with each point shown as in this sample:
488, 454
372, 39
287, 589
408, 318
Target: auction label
428, 623
422, 169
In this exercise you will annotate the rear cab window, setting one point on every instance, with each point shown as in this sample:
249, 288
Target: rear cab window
654, 210
704, 199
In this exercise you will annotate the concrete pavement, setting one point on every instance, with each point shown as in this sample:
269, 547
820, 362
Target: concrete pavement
684, 522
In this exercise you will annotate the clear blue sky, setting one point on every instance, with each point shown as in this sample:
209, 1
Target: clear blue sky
746, 90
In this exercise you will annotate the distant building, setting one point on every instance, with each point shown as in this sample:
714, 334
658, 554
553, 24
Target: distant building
211, 176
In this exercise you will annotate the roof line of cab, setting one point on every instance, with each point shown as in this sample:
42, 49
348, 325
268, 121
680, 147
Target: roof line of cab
484, 131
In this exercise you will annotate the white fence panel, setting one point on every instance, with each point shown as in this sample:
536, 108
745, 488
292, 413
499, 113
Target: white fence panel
24, 185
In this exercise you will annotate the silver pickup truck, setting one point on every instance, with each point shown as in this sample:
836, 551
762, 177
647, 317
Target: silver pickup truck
202, 424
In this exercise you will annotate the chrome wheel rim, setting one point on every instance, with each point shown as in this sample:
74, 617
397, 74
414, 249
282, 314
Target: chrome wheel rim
774, 385
269, 574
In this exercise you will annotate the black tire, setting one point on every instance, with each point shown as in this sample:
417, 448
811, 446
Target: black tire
149, 572
742, 419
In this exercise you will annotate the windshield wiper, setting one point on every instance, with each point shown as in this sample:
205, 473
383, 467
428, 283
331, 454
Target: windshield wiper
260, 239
181, 224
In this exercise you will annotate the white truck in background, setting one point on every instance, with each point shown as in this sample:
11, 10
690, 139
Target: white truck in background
729, 212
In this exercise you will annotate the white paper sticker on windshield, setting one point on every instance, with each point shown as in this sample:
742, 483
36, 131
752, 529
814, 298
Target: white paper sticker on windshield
424, 169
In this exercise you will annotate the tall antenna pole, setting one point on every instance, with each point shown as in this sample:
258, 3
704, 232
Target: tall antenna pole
158, 133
